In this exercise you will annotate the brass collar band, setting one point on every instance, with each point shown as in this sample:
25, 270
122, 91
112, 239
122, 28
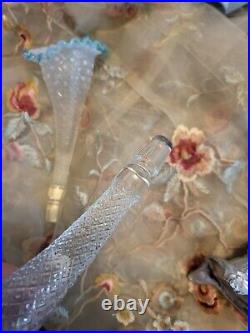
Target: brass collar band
54, 205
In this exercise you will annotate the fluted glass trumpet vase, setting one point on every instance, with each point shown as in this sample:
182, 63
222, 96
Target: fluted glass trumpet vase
67, 69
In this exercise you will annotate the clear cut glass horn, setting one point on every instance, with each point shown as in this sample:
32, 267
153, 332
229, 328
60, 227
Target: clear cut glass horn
34, 291
67, 69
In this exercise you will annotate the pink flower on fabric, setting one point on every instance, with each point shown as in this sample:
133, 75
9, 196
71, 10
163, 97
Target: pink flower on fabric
125, 10
190, 156
24, 98
108, 281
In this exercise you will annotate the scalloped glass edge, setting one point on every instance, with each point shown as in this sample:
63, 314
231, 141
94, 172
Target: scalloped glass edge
43, 54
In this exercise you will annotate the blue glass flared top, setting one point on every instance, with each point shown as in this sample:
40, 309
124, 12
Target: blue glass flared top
43, 54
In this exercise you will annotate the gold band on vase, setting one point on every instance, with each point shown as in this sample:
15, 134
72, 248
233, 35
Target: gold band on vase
54, 205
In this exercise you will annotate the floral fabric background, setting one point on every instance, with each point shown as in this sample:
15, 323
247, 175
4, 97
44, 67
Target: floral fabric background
177, 69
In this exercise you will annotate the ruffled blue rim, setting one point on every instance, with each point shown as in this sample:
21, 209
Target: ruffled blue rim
46, 53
